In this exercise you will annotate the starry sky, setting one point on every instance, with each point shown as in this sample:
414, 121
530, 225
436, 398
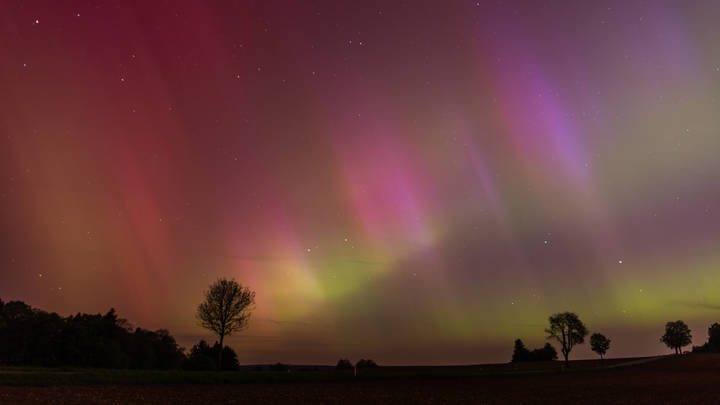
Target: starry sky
417, 182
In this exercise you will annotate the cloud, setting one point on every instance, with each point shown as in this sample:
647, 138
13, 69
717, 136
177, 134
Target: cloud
701, 305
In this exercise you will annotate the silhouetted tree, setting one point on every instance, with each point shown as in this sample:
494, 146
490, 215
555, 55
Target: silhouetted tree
714, 338
599, 344
677, 335
520, 353
568, 330
226, 309
363, 363
343, 364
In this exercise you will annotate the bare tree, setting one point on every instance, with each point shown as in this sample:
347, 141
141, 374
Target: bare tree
226, 309
568, 330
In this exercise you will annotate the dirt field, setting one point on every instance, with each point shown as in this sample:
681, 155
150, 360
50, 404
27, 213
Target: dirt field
691, 379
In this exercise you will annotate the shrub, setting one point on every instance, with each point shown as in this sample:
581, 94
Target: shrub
363, 363
343, 364
279, 367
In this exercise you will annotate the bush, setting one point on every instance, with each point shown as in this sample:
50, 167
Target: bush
520, 353
365, 363
199, 363
343, 364
279, 367
547, 353
202, 354
701, 349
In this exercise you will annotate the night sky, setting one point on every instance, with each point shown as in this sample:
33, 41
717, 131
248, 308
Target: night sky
417, 182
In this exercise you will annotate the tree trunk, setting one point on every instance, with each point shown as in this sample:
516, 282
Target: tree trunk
567, 363
220, 353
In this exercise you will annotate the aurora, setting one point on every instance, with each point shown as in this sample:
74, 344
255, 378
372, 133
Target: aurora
412, 182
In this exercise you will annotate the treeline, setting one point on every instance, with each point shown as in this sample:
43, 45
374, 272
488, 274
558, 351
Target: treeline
30, 336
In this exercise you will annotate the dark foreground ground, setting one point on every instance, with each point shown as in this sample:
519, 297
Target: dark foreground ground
690, 379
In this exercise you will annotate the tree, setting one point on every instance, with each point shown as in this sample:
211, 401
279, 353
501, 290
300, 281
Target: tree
520, 353
568, 330
713, 343
599, 344
226, 309
677, 335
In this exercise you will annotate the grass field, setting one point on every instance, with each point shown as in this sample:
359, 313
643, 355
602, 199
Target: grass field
690, 379
38, 376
